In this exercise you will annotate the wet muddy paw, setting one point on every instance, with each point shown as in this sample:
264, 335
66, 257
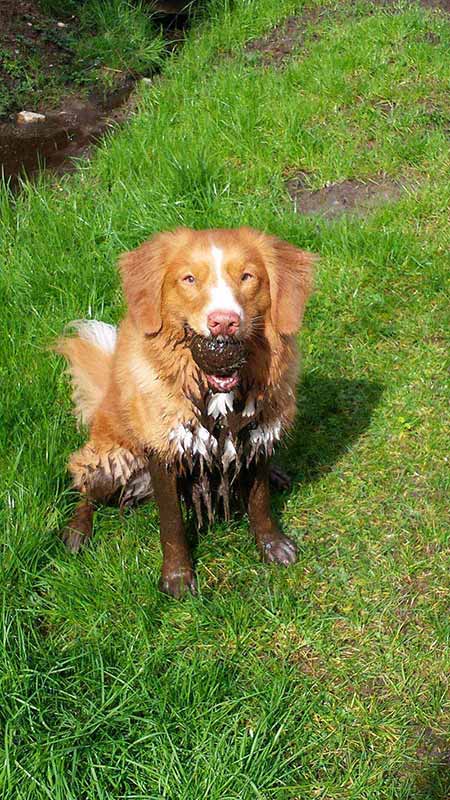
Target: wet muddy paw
279, 479
178, 583
278, 549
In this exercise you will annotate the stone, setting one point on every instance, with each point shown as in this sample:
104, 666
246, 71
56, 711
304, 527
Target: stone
25, 117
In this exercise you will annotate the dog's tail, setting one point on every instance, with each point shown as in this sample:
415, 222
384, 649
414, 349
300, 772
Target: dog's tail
89, 355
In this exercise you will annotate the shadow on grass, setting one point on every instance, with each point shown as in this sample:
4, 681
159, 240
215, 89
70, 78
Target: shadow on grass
333, 413
434, 783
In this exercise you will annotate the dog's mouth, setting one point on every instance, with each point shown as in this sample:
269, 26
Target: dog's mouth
220, 358
222, 383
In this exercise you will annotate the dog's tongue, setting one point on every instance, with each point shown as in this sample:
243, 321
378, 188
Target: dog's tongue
223, 384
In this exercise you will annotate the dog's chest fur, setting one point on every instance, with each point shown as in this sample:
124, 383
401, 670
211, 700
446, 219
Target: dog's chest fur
214, 452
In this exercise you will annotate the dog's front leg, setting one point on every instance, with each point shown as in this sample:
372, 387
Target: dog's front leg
273, 546
177, 576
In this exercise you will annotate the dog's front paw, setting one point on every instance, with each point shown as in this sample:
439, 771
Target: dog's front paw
276, 548
178, 582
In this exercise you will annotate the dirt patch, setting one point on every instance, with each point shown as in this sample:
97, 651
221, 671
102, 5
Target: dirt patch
288, 643
36, 67
34, 48
376, 687
432, 746
40, 71
275, 48
350, 196
443, 5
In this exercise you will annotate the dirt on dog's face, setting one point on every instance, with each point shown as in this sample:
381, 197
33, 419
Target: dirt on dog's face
220, 358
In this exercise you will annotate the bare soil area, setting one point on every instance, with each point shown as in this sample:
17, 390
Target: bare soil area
39, 73
349, 196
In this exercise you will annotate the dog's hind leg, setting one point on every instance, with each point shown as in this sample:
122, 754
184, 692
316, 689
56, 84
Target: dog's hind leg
101, 474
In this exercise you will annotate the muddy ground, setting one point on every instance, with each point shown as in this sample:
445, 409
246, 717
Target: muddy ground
350, 196
38, 73
78, 118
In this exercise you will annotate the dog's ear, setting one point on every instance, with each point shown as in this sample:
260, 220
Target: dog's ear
143, 273
290, 277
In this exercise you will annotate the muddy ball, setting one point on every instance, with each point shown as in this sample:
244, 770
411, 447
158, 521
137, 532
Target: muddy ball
218, 356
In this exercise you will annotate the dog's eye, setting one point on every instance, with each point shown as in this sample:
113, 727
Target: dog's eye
246, 276
188, 279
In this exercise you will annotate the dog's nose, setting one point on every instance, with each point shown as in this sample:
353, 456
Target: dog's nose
223, 323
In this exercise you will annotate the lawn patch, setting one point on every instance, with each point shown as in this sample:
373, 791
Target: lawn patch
314, 682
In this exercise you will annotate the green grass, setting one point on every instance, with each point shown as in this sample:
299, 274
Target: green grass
329, 680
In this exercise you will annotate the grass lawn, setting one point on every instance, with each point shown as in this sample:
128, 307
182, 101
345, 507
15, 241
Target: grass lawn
328, 680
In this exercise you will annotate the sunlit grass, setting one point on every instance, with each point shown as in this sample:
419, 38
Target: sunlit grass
328, 680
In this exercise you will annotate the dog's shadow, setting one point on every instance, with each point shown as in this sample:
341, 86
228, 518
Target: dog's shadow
332, 415
434, 782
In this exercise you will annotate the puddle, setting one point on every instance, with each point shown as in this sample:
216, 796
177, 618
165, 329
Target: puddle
64, 135
70, 131
351, 196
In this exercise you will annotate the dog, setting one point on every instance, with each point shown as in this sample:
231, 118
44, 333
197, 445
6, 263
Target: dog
187, 400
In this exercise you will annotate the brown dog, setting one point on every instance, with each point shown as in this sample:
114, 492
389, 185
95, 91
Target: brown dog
190, 396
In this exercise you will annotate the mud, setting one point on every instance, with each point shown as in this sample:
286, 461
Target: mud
443, 5
351, 196
70, 131
64, 135
286, 38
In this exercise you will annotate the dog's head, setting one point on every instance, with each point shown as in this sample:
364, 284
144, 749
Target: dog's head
217, 284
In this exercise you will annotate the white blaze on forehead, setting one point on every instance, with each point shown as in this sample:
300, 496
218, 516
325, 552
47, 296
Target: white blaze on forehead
221, 296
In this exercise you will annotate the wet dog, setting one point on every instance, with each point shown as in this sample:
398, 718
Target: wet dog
187, 400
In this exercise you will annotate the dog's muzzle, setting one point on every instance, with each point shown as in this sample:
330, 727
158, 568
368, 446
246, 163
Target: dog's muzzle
221, 358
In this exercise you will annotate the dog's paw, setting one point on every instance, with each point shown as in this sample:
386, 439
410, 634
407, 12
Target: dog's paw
179, 582
278, 549
279, 479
